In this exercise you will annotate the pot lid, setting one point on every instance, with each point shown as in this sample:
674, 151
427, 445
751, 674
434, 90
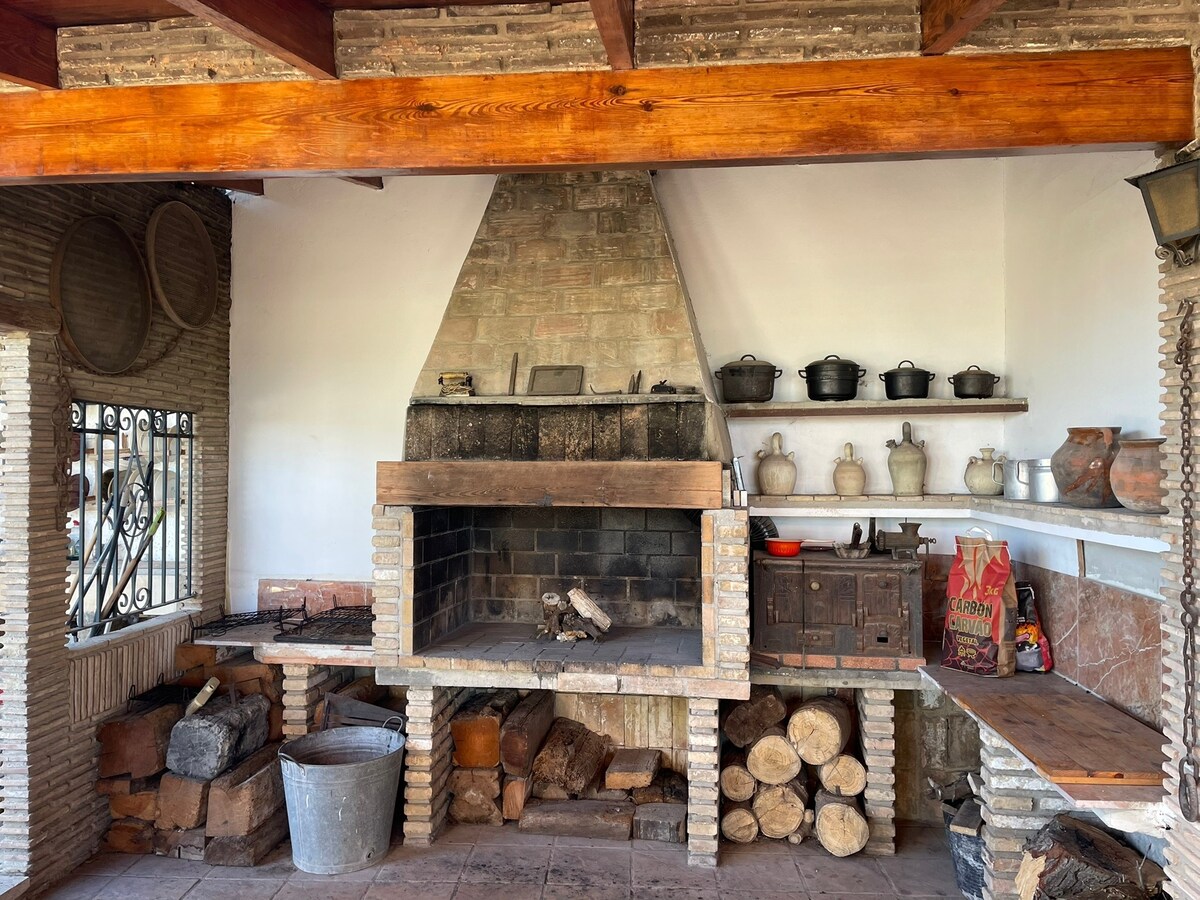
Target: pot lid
749, 361
833, 361
974, 370
910, 367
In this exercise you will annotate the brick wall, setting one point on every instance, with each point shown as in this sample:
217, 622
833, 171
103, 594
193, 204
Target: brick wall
49, 752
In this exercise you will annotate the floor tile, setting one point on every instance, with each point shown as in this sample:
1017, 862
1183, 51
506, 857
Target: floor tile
107, 864
428, 890
307, 890
781, 895
585, 892
360, 876
674, 893
670, 870
597, 868
567, 840
228, 889
78, 888
826, 874
276, 867
759, 872
156, 866
493, 889
914, 877
161, 888
441, 862
920, 840
491, 865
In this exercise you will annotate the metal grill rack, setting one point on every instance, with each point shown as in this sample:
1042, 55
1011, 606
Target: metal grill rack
340, 625
275, 617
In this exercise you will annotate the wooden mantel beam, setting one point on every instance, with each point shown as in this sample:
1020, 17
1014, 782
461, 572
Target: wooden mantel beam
28, 51
300, 32
614, 18
577, 120
946, 22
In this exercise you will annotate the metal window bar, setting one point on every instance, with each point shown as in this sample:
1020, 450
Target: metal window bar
131, 523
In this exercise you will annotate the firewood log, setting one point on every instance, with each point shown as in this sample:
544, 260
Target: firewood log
586, 607
780, 808
738, 823
476, 728
1069, 857
736, 781
819, 729
749, 719
772, 758
570, 756
843, 775
839, 824
797, 837
523, 731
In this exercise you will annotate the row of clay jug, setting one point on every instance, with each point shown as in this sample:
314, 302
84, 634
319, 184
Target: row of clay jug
906, 465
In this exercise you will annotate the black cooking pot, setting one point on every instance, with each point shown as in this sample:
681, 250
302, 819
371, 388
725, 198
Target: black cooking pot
909, 383
832, 378
748, 380
973, 383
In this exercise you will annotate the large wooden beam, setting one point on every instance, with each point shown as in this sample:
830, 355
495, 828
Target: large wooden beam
650, 485
28, 51
576, 120
946, 22
300, 32
22, 315
614, 18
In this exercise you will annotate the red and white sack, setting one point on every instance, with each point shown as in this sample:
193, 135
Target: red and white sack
981, 616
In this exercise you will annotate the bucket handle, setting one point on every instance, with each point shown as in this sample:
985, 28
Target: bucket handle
288, 757
398, 719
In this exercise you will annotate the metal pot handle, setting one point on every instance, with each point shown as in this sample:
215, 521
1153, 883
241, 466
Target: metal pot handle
881, 378
802, 374
862, 373
833, 356
932, 376
717, 374
976, 368
950, 378
749, 356
998, 463
911, 364
1025, 464
995, 379
778, 372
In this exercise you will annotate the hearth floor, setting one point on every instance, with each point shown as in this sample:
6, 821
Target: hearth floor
514, 642
481, 863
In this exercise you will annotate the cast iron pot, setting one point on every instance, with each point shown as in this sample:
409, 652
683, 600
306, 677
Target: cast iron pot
909, 383
747, 380
832, 378
973, 383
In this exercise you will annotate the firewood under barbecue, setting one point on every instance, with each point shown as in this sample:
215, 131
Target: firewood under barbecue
749, 719
843, 775
571, 756
1072, 857
736, 781
819, 729
805, 829
772, 759
780, 808
840, 825
738, 822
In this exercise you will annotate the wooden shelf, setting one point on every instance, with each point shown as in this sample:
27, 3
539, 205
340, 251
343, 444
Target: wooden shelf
805, 409
559, 400
1070, 737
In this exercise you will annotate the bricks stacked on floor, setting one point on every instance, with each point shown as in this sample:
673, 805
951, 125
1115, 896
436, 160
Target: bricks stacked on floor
877, 736
1017, 803
205, 787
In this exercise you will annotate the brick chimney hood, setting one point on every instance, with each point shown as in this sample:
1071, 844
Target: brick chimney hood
571, 268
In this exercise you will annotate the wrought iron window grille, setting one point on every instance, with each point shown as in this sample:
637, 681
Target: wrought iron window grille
130, 520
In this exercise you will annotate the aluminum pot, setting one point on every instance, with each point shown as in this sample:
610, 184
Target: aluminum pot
1030, 479
748, 380
908, 383
832, 378
973, 383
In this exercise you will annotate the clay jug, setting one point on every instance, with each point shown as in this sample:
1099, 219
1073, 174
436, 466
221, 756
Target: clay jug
849, 479
906, 465
984, 476
1137, 474
1081, 467
776, 470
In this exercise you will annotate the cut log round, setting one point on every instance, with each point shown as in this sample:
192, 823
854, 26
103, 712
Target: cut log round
773, 759
819, 729
736, 781
748, 720
1073, 858
780, 808
586, 607
739, 823
839, 825
843, 775
570, 756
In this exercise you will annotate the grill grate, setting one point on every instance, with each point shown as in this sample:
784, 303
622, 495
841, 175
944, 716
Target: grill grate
237, 620
340, 625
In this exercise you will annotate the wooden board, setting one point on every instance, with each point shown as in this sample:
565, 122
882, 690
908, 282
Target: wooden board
645, 485
648, 118
1067, 734
631, 768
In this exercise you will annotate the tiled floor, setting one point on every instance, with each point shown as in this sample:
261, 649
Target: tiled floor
480, 863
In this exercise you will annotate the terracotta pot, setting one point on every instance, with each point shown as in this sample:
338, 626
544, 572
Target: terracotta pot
1137, 475
906, 465
1081, 467
776, 470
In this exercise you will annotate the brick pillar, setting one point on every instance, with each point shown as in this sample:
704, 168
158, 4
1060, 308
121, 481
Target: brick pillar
1017, 802
725, 570
427, 761
877, 732
392, 557
703, 763
303, 687
34, 762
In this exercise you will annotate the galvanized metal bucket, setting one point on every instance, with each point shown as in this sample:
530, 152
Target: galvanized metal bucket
340, 786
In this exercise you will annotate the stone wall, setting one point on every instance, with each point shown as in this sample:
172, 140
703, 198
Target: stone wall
49, 751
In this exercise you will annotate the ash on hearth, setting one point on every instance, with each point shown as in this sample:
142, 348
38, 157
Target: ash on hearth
573, 619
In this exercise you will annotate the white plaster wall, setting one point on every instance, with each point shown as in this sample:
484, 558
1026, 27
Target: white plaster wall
1081, 297
338, 291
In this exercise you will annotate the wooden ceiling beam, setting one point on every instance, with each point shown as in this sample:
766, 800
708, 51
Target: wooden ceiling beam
300, 32
946, 22
614, 18
643, 118
28, 51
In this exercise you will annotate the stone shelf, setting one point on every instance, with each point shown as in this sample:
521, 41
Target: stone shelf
1115, 527
806, 409
261, 639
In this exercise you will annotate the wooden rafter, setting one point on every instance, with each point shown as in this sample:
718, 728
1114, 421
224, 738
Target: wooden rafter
28, 51
300, 32
946, 22
614, 18
571, 120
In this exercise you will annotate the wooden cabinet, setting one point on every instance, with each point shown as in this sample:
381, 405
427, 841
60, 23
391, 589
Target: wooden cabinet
822, 604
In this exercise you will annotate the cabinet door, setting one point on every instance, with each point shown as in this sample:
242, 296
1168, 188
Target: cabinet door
885, 617
829, 597
779, 608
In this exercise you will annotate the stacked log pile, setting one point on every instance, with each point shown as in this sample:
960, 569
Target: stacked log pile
516, 761
1072, 858
785, 776
206, 786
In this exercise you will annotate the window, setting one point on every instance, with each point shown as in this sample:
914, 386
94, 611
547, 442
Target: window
130, 515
